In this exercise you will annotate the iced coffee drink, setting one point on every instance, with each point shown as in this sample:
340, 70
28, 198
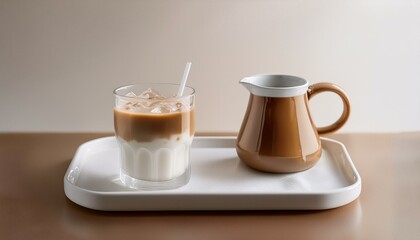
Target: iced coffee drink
154, 130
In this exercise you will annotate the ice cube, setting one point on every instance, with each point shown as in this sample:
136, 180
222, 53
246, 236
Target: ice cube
161, 108
134, 106
131, 94
178, 106
128, 106
150, 94
175, 106
138, 106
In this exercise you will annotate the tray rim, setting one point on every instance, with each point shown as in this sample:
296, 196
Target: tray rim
68, 186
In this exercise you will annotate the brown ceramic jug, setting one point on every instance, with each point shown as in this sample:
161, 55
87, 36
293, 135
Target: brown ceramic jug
278, 134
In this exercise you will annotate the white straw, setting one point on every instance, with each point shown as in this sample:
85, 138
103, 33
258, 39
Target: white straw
184, 79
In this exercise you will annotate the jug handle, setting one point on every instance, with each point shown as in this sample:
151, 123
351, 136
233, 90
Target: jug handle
317, 88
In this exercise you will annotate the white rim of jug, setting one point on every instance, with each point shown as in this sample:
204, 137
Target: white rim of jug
275, 85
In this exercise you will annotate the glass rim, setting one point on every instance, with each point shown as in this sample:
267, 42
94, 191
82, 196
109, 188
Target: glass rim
151, 83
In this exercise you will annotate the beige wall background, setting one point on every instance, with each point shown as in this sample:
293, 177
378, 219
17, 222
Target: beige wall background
60, 60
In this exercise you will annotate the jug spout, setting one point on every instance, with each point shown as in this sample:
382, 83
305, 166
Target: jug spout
247, 83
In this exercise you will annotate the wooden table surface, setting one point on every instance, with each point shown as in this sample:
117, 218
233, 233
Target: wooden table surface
33, 204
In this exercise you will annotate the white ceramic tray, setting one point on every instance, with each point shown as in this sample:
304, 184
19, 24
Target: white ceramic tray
219, 181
